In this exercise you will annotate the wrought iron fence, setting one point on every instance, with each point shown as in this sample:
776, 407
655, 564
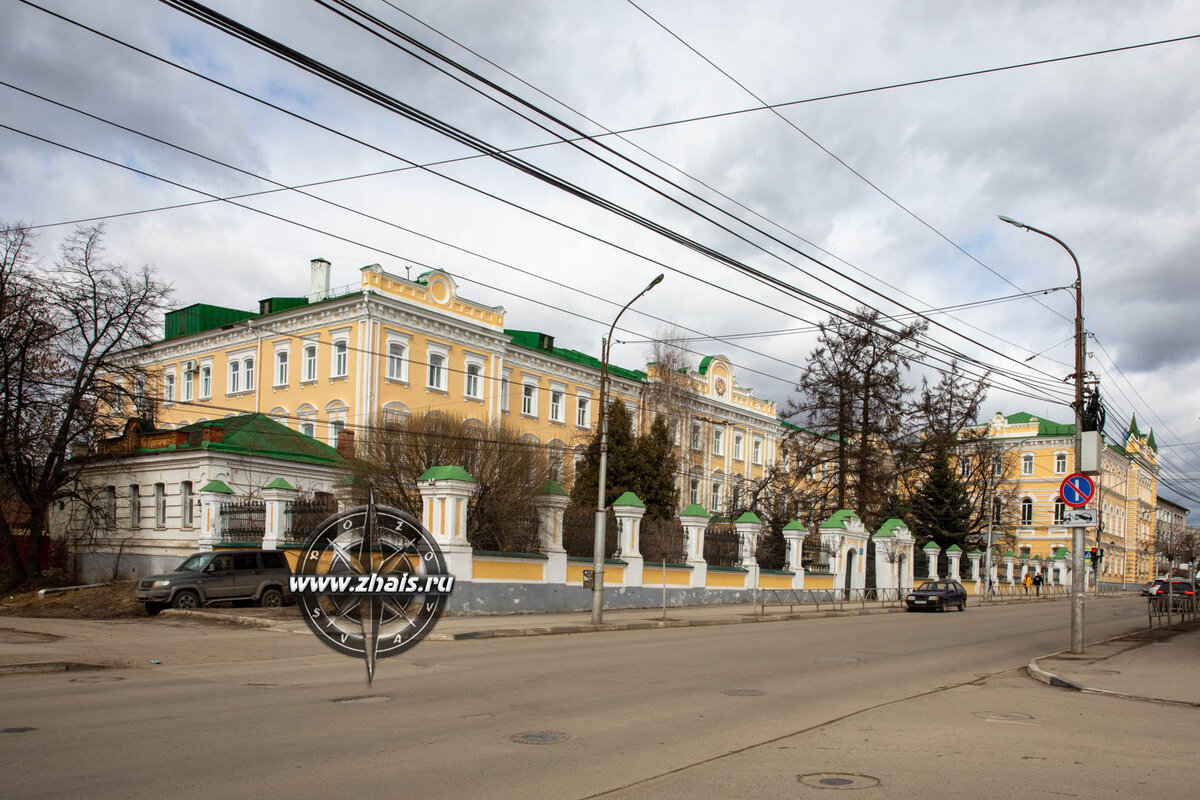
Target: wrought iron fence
662, 540
722, 545
301, 518
579, 532
243, 521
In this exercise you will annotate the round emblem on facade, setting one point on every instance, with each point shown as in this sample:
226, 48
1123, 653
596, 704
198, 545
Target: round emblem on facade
371, 582
720, 387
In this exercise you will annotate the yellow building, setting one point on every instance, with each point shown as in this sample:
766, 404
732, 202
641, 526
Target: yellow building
346, 361
1042, 456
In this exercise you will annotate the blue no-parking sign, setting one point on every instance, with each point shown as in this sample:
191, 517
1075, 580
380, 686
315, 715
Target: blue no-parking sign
1077, 490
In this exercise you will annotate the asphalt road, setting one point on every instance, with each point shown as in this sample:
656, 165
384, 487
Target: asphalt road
925, 704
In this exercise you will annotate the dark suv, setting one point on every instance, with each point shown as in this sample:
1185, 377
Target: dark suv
260, 576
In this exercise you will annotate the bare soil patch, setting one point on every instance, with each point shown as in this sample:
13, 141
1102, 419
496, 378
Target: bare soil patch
101, 602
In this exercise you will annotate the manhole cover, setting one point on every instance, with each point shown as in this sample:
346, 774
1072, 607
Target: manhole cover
366, 698
1001, 716
17, 730
743, 692
538, 737
838, 780
97, 679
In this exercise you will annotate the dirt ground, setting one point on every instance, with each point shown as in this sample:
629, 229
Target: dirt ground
101, 602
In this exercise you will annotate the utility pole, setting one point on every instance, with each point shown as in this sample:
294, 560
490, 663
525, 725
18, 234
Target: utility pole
1078, 576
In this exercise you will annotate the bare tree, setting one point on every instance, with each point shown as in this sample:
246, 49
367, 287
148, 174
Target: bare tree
509, 472
67, 370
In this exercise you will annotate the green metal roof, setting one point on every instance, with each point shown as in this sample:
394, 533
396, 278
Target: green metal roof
704, 362
953, 549
839, 519
749, 516
552, 487
446, 473
1062, 552
629, 500
889, 528
1045, 426
256, 435
279, 483
794, 525
201, 317
544, 343
220, 487
694, 510
931, 546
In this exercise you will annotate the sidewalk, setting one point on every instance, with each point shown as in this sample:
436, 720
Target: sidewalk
1160, 665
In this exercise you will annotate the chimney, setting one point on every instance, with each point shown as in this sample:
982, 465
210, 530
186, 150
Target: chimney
213, 432
345, 444
318, 287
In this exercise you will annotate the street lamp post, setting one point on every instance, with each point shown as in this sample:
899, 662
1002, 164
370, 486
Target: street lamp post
1078, 577
601, 519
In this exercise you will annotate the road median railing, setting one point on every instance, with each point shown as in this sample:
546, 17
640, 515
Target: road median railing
862, 599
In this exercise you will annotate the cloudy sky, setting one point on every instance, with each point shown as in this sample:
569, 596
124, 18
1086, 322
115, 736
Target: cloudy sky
885, 197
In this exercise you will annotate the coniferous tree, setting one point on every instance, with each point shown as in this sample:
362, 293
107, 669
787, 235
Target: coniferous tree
655, 473
621, 474
941, 506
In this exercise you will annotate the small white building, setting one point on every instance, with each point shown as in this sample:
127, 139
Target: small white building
139, 511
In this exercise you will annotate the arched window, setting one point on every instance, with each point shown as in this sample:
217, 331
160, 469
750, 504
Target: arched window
1026, 511
1060, 510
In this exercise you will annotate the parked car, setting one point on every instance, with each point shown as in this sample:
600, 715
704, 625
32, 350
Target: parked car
1149, 588
1180, 591
259, 576
937, 594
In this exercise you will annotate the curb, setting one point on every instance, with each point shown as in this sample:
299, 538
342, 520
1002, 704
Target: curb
220, 619
44, 667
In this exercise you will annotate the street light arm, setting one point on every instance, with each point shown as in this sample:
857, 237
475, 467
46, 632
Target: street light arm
624, 308
1048, 235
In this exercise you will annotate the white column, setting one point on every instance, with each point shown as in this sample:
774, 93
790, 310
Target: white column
887, 561
932, 551
793, 535
212, 495
749, 528
444, 495
629, 510
1009, 562
550, 504
954, 556
975, 558
277, 495
695, 520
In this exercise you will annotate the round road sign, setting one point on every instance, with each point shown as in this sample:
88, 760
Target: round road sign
1077, 490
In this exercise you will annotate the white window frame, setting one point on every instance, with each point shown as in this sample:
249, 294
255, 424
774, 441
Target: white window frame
309, 368
964, 467
160, 505
436, 373
529, 398
341, 357
135, 506
756, 450
583, 410
739, 441
169, 387
715, 498
718, 440
281, 370
335, 412
1060, 457
697, 436
505, 389
1026, 503
233, 377
473, 376
1027, 463
248, 372
186, 511
558, 403
206, 380
188, 386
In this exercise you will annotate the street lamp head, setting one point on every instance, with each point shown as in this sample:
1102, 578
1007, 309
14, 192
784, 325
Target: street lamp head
655, 282
1012, 221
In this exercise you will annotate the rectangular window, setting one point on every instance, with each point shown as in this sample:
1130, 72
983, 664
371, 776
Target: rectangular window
529, 400
396, 368
737, 446
169, 387
309, 429
135, 506
697, 437
756, 453
205, 383
235, 377
474, 388
504, 389
248, 368
437, 372
341, 350
1026, 511
185, 504
694, 491
160, 505
1027, 464
187, 386
964, 467
281, 368
583, 412
310, 363
1060, 511
335, 427
718, 441
715, 505
110, 507
1060, 463
556, 406
997, 467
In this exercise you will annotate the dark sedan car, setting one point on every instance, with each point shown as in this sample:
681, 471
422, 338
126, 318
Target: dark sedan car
1178, 592
937, 594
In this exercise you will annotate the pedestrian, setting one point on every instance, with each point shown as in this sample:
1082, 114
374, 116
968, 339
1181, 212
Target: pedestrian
1037, 584
1027, 581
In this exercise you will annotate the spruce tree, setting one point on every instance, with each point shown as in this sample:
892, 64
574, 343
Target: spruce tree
655, 471
941, 506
